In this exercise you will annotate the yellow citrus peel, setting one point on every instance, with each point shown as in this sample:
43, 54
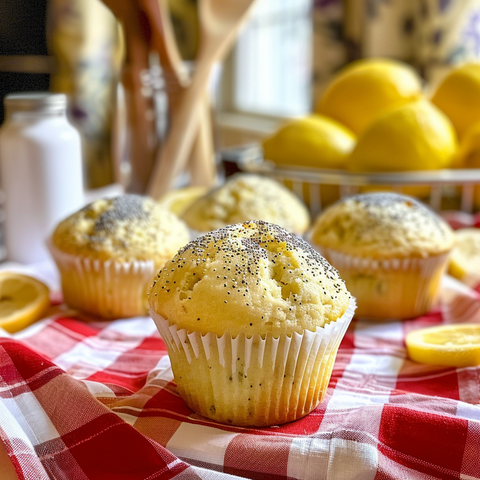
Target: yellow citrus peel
23, 300
367, 88
455, 345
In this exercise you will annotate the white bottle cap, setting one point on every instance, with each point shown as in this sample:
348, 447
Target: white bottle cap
36, 101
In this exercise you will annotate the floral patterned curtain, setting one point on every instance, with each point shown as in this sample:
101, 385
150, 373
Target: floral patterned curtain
431, 35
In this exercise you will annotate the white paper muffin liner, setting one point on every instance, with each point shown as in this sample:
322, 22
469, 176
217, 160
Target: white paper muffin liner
257, 380
108, 289
390, 288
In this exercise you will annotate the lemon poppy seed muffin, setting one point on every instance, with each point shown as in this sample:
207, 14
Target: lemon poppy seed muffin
251, 278
252, 317
108, 252
248, 197
391, 250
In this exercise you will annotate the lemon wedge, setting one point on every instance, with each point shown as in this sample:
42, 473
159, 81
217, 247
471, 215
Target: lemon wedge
465, 257
451, 345
23, 300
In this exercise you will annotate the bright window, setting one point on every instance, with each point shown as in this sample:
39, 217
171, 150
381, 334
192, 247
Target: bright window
272, 64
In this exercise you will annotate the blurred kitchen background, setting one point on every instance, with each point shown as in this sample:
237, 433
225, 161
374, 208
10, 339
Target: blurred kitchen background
284, 57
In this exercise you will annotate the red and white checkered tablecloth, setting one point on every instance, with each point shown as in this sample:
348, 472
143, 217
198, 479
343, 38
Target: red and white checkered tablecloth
90, 400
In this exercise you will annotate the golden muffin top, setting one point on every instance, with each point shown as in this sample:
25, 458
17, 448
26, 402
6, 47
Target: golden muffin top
250, 278
382, 225
123, 228
246, 197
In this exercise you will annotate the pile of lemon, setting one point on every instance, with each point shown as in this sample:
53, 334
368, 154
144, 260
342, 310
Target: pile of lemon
376, 116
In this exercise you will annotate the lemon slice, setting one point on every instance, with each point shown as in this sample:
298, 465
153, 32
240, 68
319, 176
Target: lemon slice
452, 345
23, 300
465, 257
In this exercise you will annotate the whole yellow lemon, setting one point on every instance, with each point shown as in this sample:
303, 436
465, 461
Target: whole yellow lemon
366, 88
311, 141
416, 136
458, 96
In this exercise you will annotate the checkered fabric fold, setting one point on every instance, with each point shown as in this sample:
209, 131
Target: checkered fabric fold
83, 399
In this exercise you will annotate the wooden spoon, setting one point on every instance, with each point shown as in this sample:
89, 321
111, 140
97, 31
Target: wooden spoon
140, 119
202, 161
163, 41
220, 21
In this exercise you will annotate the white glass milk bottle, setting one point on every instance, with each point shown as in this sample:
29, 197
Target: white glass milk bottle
40, 171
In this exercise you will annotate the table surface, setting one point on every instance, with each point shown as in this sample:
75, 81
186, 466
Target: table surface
86, 399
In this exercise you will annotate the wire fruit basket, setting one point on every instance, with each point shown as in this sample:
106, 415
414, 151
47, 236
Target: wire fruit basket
447, 189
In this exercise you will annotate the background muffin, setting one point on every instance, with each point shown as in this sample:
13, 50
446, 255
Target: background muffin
390, 249
252, 317
108, 252
248, 197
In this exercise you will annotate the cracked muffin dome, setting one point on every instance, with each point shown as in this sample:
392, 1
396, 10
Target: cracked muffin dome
251, 278
390, 249
382, 225
246, 197
123, 228
108, 252
252, 318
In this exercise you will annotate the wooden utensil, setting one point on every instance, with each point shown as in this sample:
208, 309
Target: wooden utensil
163, 41
140, 118
202, 162
219, 24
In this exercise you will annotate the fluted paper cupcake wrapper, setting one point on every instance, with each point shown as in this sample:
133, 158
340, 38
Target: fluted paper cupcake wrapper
390, 288
108, 289
257, 380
